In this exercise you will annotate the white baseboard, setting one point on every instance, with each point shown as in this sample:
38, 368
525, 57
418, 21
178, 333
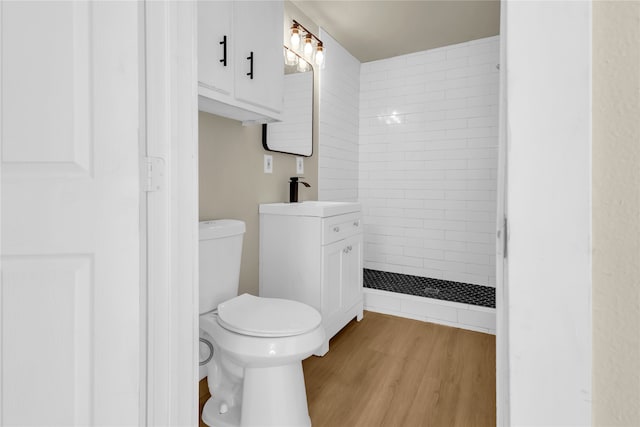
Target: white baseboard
458, 315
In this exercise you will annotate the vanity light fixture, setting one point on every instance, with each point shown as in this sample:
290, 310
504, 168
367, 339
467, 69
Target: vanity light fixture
312, 47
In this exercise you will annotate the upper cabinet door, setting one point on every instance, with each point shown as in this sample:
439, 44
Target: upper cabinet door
258, 49
215, 45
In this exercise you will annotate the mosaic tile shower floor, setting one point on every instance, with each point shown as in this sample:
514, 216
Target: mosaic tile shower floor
465, 293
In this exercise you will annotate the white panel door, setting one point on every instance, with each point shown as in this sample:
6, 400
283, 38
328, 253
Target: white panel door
70, 290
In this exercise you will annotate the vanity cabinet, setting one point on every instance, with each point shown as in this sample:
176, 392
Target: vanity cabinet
240, 65
314, 258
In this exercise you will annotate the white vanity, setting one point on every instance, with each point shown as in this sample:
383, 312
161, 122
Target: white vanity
312, 252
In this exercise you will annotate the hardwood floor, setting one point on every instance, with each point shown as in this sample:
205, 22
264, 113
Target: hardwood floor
203, 390
390, 371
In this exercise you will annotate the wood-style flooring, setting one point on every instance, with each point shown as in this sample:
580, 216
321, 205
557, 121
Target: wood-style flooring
391, 371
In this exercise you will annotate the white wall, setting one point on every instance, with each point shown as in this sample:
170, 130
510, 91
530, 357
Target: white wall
549, 206
338, 130
428, 160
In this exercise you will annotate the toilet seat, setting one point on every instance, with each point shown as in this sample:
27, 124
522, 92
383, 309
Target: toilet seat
267, 317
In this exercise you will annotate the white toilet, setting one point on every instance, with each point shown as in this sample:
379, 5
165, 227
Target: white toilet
255, 372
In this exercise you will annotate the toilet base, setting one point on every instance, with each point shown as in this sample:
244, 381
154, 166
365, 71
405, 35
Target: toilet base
271, 396
211, 415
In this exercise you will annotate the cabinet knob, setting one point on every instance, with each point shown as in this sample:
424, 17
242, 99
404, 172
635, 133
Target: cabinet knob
356, 223
336, 229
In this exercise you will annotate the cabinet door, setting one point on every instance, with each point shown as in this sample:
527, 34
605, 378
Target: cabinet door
215, 41
259, 53
351, 271
342, 275
331, 280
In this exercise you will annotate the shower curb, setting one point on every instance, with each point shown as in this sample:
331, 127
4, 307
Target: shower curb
448, 313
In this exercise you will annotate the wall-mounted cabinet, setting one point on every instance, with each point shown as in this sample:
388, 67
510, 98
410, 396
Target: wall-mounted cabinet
312, 252
240, 72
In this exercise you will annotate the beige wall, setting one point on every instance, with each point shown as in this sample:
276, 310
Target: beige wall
616, 213
232, 183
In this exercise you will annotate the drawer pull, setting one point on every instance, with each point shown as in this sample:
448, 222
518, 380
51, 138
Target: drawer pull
336, 229
356, 223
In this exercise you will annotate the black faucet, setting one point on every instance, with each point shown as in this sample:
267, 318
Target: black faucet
293, 188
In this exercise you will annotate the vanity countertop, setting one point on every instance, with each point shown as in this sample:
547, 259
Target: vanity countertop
310, 208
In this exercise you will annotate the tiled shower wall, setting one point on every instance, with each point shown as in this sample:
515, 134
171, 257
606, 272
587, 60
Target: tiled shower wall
428, 139
338, 130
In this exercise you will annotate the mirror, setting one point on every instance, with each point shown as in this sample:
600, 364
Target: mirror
294, 135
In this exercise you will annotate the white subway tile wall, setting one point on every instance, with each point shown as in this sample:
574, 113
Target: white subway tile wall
338, 128
428, 138
293, 134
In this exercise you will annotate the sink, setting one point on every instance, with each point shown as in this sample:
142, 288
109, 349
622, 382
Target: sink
310, 208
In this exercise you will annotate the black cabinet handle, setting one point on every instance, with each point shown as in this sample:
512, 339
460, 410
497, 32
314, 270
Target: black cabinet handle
250, 58
224, 50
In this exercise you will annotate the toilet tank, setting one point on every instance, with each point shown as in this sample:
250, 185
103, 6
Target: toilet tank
220, 253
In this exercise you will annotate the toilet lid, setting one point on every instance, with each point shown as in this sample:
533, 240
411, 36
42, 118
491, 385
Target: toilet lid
267, 317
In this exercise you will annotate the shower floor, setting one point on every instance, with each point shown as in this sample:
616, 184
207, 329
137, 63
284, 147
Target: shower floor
466, 293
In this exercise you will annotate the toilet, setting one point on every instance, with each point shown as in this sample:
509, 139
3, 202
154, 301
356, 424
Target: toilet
251, 347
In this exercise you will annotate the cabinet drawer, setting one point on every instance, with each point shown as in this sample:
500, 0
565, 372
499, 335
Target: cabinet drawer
340, 227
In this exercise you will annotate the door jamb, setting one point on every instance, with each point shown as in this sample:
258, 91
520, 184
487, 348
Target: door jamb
169, 392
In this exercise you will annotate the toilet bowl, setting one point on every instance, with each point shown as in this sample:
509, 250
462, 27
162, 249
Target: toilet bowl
255, 372
256, 377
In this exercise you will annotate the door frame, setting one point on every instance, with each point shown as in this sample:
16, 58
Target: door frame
169, 379
502, 284
544, 329
172, 296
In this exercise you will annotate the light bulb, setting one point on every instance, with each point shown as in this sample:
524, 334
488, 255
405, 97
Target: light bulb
291, 57
303, 65
295, 36
319, 55
308, 47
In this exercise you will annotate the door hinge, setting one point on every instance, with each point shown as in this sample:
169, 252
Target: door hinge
154, 174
